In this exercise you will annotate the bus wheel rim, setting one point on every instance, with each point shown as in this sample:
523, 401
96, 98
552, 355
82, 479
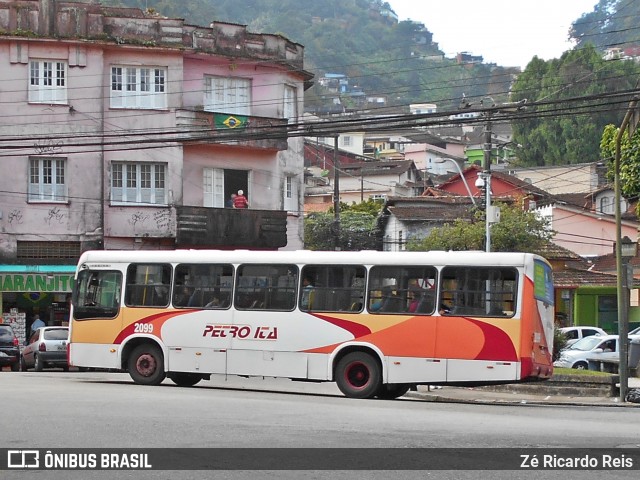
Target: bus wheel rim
146, 365
357, 375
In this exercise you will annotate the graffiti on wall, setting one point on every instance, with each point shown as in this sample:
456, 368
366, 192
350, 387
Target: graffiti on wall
15, 217
163, 220
138, 219
47, 146
54, 214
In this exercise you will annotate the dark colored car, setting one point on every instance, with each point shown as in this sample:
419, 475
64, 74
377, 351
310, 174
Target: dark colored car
47, 347
9, 348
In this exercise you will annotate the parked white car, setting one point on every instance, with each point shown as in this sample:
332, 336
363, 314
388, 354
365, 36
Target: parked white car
603, 347
573, 334
47, 347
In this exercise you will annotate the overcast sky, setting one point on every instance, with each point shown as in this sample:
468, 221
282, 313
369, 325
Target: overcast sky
506, 32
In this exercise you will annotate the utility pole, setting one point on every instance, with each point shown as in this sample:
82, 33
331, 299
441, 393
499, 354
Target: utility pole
622, 285
487, 181
336, 195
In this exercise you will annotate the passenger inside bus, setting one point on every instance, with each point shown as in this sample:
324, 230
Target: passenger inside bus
307, 293
182, 296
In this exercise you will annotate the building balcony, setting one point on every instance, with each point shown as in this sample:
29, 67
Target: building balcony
246, 131
227, 228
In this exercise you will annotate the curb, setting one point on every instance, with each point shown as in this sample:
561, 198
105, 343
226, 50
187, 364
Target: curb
546, 401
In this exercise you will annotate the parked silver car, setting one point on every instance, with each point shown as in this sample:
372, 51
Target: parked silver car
47, 347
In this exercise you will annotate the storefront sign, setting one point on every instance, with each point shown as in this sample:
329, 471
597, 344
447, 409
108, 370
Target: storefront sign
35, 282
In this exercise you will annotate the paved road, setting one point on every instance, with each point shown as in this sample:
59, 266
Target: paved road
106, 410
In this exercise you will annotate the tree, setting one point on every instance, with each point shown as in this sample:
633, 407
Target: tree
567, 131
629, 160
613, 23
358, 228
517, 231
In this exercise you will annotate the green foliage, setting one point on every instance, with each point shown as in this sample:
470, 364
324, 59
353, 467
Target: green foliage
611, 23
559, 343
369, 206
561, 134
358, 228
358, 231
629, 160
517, 231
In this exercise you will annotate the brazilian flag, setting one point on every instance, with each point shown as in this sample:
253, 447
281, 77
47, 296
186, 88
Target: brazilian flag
230, 121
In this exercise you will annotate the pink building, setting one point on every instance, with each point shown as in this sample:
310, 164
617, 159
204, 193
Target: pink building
126, 129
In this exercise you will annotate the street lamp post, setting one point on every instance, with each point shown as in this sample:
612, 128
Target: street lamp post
464, 180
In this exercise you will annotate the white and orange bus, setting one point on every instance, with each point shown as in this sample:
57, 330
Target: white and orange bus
376, 323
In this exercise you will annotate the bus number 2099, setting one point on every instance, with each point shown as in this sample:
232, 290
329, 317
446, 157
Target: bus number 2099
143, 328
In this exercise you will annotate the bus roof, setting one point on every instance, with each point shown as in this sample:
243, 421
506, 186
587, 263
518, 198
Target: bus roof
366, 257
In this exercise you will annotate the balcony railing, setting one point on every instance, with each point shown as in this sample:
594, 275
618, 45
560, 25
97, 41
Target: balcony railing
230, 228
246, 131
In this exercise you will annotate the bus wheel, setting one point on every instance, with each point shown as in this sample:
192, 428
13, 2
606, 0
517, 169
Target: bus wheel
185, 379
391, 391
358, 375
146, 365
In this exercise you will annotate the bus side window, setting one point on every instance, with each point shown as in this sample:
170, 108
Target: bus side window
332, 288
203, 286
266, 287
480, 291
148, 285
402, 289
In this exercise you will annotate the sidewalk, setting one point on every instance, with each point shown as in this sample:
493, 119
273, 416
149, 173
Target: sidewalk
485, 396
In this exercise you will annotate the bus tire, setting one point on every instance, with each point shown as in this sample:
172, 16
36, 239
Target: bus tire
358, 375
391, 391
182, 379
146, 365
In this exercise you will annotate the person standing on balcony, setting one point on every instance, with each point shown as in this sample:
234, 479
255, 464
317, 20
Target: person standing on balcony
231, 201
240, 201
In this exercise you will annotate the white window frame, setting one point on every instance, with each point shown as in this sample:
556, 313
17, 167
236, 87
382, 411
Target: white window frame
290, 107
47, 180
138, 183
138, 87
230, 95
290, 189
607, 205
213, 187
48, 81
